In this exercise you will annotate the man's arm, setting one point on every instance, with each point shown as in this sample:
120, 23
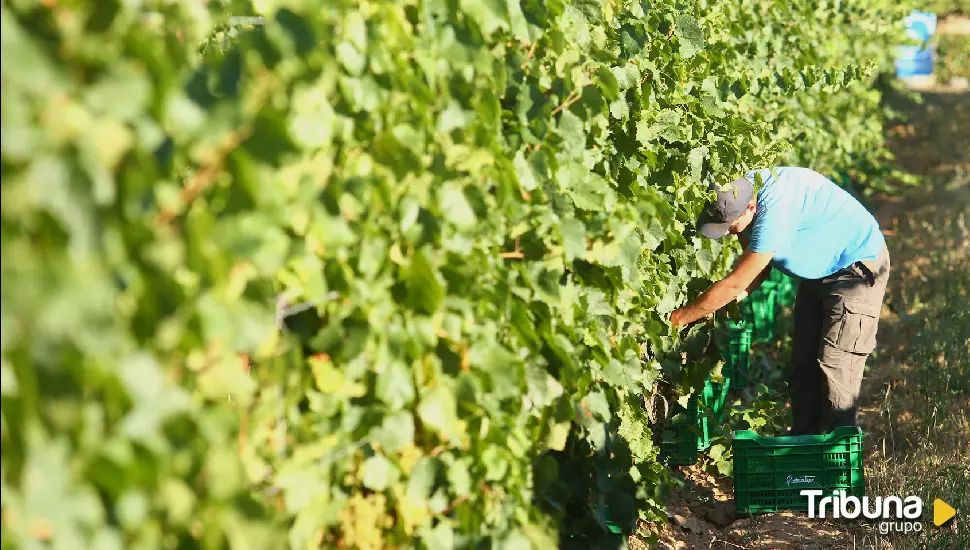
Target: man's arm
757, 280
751, 266
755, 283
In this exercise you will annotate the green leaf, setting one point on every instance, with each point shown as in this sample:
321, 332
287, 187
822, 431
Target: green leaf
705, 260
523, 170
224, 473
395, 386
422, 480
355, 30
598, 406
25, 63
490, 15
437, 411
504, 368
351, 58
521, 28
516, 540
696, 162
454, 206
716, 451
179, 500
558, 434
589, 191
684, 401
313, 121
453, 117
573, 238
620, 109
653, 234
378, 473
459, 478
396, 432
124, 92
409, 210
572, 132
107, 539
608, 83
666, 125
496, 463
425, 289
441, 537
155, 398
132, 509
690, 35
8, 380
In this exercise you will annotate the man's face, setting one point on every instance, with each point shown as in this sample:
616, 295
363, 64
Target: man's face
742, 222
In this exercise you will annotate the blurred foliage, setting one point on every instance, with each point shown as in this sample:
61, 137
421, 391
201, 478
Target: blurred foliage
942, 7
381, 273
952, 56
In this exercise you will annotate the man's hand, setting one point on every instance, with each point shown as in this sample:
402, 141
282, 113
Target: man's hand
678, 317
721, 293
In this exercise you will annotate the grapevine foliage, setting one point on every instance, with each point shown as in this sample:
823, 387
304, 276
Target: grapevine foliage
380, 272
943, 7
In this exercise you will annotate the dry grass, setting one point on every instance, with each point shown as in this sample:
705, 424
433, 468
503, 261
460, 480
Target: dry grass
917, 407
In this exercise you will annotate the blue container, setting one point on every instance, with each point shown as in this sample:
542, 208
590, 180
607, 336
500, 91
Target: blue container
917, 60
921, 25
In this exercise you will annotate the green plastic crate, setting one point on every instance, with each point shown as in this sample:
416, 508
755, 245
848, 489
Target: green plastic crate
769, 472
735, 346
704, 435
680, 441
610, 523
713, 397
691, 433
784, 288
768, 289
759, 310
791, 288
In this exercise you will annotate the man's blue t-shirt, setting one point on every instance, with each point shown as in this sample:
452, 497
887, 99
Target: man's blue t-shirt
813, 226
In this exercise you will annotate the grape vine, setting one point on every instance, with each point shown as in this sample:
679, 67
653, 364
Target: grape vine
378, 272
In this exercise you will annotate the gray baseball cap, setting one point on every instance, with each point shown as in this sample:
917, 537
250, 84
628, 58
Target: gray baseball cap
732, 199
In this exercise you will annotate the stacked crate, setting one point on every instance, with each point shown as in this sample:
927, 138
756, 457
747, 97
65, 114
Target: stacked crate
692, 427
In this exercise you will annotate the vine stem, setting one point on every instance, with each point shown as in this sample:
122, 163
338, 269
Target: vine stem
528, 56
516, 254
211, 169
573, 97
453, 504
204, 177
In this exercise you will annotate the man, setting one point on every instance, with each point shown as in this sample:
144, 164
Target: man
808, 227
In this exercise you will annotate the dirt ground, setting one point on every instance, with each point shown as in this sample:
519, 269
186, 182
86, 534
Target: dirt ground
917, 425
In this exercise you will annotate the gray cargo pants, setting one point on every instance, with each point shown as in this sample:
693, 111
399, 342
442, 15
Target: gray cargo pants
836, 319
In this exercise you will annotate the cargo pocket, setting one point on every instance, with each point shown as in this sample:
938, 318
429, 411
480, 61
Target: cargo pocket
860, 322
